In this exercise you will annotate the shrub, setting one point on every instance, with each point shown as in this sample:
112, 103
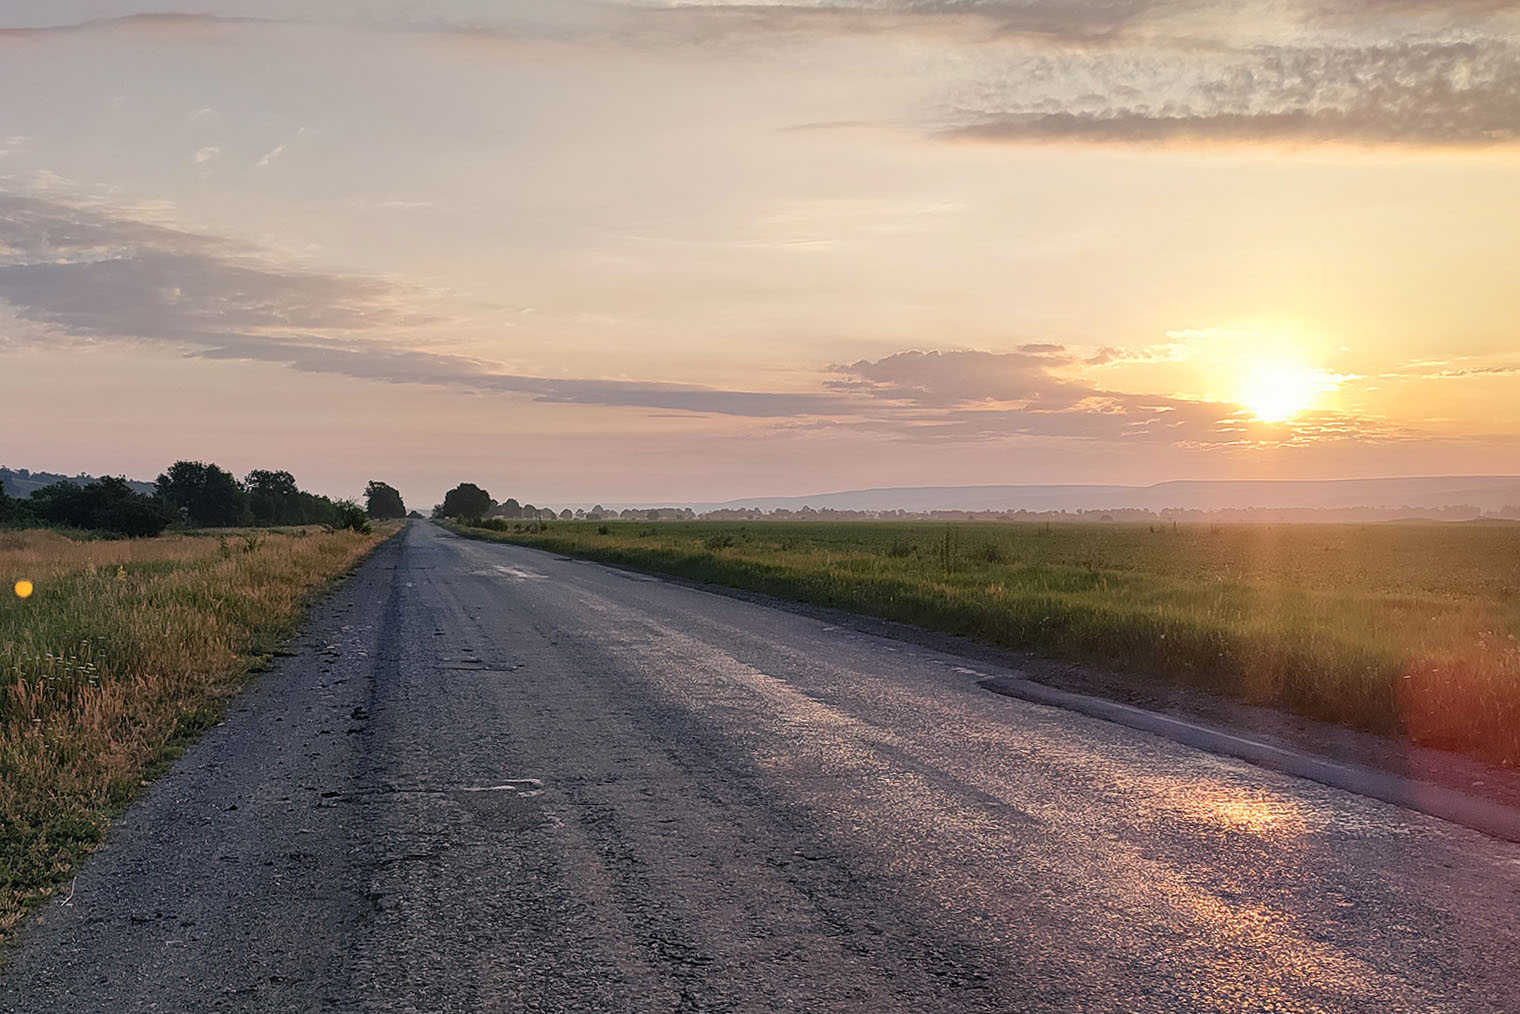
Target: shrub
352, 516
105, 505
12, 510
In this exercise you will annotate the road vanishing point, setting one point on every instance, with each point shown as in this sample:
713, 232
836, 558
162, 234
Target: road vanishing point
493, 779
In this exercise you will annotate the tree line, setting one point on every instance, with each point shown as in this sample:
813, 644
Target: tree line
468, 502
194, 494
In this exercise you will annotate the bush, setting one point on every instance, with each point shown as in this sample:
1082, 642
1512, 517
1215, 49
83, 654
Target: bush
12, 510
352, 516
105, 505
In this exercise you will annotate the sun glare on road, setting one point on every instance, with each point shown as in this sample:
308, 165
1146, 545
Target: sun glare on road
1276, 392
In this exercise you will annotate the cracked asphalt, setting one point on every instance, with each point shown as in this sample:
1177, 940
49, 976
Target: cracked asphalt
492, 779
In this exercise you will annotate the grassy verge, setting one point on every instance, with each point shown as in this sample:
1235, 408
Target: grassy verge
1400, 629
126, 652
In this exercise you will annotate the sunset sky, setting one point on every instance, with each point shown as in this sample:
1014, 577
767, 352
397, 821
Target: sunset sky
651, 251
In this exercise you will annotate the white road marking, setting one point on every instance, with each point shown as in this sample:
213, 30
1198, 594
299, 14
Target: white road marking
519, 573
524, 787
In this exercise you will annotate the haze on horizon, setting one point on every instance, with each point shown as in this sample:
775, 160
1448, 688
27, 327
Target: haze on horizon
648, 251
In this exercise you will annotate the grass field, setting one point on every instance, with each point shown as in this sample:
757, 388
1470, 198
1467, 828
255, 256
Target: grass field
124, 652
1405, 629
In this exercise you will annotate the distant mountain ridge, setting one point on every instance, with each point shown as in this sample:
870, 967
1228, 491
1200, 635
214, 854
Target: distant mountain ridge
1486, 492
21, 482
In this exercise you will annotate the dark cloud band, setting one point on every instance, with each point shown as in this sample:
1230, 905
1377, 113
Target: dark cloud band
94, 275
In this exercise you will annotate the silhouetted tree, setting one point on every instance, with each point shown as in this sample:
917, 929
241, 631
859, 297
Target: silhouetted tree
465, 500
566, 514
275, 499
383, 501
272, 497
511, 509
206, 495
13, 511
105, 505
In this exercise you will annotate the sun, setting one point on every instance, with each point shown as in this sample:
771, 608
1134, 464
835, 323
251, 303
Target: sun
1277, 391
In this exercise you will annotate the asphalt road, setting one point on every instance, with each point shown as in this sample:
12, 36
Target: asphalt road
491, 779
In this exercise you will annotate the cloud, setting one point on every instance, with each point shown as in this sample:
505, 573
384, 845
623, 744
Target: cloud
34, 230
986, 20
1436, 94
1426, 73
155, 23
942, 379
1382, 9
86, 274
1455, 373
92, 275
1042, 391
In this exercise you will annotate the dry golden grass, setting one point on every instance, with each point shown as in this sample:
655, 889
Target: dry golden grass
125, 651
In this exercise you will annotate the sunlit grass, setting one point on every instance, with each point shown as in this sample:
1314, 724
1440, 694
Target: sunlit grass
1402, 629
124, 651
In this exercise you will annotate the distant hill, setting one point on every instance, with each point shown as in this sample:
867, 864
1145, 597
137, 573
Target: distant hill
20, 482
1486, 492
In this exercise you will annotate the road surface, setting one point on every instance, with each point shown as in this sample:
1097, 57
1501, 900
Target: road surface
491, 779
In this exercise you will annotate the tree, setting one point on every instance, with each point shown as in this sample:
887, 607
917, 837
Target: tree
465, 500
12, 510
273, 497
206, 495
105, 505
565, 514
511, 509
383, 501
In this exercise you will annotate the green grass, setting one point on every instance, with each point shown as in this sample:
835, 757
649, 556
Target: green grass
126, 652
1406, 629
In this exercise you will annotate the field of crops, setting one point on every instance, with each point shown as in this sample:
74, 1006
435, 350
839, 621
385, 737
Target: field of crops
120, 654
1406, 629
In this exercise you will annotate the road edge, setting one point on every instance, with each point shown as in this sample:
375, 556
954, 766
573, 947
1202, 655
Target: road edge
1486, 815
254, 663
1475, 812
